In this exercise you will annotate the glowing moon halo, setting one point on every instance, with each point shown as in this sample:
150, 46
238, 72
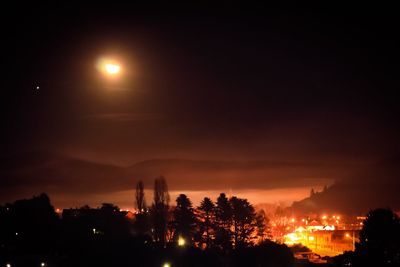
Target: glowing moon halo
109, 67
112, 68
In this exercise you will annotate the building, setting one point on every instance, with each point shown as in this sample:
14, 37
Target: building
326, 242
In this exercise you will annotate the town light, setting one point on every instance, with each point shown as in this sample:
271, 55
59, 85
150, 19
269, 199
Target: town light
292, 238
181, 241
8, 265
167, 264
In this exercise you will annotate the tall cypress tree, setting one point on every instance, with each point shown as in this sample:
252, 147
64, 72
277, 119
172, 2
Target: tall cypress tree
159, 210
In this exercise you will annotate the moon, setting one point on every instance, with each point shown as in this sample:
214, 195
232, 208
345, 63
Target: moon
109, 67
112, 68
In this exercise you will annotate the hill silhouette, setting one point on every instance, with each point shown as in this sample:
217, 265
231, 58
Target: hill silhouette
376, 186
58, 174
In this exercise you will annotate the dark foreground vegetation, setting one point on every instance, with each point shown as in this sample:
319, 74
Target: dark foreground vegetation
226, 233
379, 242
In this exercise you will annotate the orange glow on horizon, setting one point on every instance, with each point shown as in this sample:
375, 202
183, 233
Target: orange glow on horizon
283, 197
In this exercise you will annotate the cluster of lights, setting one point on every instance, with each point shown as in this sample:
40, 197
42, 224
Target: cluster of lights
293, 220
337, 217
294, 238
334, 217
42, 264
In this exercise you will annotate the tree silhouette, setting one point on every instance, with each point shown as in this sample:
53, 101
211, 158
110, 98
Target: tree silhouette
141, 223
312, 193
139, 197
111, 221
31, 233
206, 221
267, 253
223, 222
184, 222
161, 195
243, 221
379, 239
280, 219
262, 225
29, 224
159, 210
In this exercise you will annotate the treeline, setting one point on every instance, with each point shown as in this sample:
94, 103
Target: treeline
225, 224
227, 232
379, 243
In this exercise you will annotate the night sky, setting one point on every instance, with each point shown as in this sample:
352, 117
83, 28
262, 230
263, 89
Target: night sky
264, 103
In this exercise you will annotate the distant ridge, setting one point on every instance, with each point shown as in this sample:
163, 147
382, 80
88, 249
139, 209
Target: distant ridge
41, 171
377, 186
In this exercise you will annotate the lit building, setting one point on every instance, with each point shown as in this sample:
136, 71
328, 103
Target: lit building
326, 242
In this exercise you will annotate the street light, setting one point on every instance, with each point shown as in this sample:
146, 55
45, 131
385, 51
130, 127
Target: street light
167, 264
181, 241
353, 239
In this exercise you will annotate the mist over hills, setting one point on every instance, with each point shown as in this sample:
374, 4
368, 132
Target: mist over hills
67, 177
376, 186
